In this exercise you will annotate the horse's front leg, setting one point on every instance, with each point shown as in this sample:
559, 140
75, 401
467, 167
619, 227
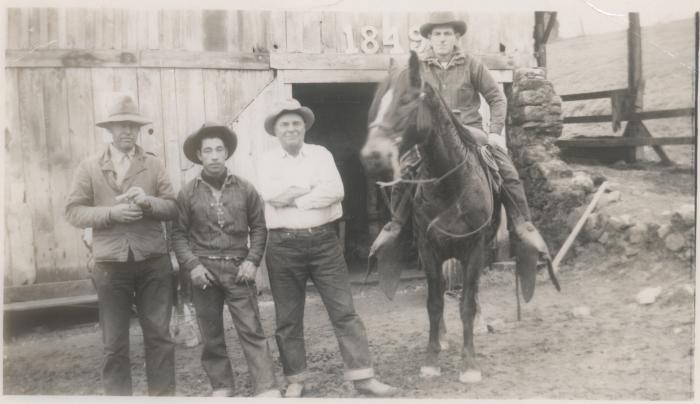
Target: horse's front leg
473, 263
436, 304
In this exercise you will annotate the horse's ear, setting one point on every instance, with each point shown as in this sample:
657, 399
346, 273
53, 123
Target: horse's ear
414, 70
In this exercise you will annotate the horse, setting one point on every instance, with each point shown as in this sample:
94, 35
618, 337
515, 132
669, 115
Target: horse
456, 211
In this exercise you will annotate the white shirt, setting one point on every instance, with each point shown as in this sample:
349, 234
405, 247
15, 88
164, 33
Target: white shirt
121, 162
313, 169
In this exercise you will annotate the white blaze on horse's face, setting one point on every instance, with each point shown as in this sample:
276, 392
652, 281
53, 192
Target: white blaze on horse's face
381, 151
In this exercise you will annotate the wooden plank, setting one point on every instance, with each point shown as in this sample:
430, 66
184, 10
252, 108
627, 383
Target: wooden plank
67, 244
46, 303
125, 81
99, 28
150, 105
358, 61
213, 25
108, 28
35, 156
89, 29
312, 32
277, 31
18, 217
332, 76
171, 130
75, 28
190, 106
45, 291
591, 95
14, 28
624, 141
661, 114
153, 29
587, 119
212, 60
24, 29
35, 29
416, 41
131, 23
52, 28
71, 58
234, 33
395, 29
212, 82
295, 31
253, 25
102, 91
80, 114
119, 29
193, 31
329, 39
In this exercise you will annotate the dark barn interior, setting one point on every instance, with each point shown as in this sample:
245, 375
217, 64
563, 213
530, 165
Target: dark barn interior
341, 126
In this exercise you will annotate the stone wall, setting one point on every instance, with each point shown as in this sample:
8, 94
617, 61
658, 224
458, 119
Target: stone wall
553, 189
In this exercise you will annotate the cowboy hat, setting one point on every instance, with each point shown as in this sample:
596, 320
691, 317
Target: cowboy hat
124, 109
288, 105
443, 18
209, 129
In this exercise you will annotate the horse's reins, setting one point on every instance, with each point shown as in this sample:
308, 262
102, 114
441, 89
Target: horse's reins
433, 222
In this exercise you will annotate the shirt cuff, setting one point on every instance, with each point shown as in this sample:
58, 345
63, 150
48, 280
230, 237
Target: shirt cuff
191, 264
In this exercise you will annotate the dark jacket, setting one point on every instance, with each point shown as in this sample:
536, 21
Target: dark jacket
203, 230
93, 192
460, 85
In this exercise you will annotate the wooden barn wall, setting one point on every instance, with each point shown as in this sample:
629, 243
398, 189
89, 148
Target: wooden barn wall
52, 110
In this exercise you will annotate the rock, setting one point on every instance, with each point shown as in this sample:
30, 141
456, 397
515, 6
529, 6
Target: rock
674, 242
648, 295
608, 199
533, 113
621, 222
612, 187
530, 97
683, 217
637, 233
581, 312
604, 238
663, 230
677, 330
599, 179
631, 251
583, 182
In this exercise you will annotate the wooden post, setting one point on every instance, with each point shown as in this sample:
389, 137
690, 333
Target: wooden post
540, 53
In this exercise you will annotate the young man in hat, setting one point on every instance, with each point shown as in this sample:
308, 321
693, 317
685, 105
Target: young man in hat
123, 194
218, 212
303, 191
461, 79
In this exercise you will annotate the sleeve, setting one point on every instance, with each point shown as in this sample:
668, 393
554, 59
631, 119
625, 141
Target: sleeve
491, 90
80, 210
257, 225
163, 205
329, 186
269, 185
181, 230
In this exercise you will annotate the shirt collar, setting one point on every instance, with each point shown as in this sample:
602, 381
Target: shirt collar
117, 154
230, 178
302, 152
458, 57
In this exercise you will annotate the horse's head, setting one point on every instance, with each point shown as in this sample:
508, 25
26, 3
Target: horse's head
397, 119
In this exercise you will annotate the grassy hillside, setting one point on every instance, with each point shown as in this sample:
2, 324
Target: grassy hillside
599, 62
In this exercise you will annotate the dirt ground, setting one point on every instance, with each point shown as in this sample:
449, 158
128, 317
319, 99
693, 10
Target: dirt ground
621, 351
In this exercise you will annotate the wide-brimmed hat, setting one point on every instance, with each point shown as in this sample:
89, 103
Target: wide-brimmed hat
209, 129
288, 105
443, 18
124, 109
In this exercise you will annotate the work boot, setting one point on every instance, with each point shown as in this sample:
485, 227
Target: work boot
294, 390
374, 387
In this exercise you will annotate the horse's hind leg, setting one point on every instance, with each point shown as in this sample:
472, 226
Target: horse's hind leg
471, 373
436, 303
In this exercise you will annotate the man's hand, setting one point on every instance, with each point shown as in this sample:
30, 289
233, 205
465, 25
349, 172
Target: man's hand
289, 195
389, 234
201, 277
246, 272
136, 195
125, 213
497, 140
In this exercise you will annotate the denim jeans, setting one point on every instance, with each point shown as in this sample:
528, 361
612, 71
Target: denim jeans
148, 283
294, 256
243, 305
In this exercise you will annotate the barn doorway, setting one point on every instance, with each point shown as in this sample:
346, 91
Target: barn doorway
341, 126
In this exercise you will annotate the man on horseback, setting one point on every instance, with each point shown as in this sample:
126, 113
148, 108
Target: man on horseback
461, 79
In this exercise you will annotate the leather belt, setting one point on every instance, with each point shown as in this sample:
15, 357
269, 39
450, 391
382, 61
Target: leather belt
220, 257
305, 230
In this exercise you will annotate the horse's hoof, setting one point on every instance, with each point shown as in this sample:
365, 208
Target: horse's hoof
429, 371
444, 345
470, 376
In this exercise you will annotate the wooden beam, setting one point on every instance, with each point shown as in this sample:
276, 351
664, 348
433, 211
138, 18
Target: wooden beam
661, 114
308, 61
550, 24
46, 303
205, 60
591, 95
47, 290
624, 141
136, 58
